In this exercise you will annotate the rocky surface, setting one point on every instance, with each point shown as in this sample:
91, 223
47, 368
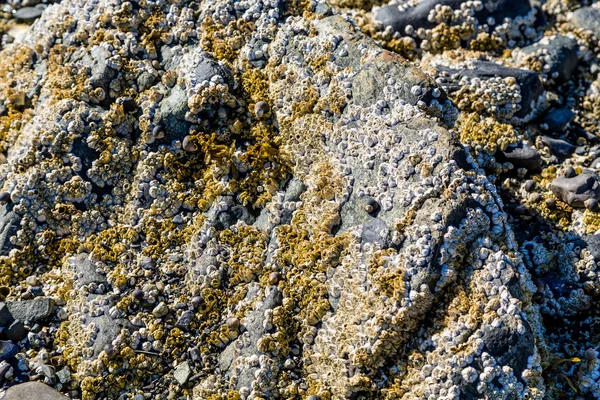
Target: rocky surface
292, 199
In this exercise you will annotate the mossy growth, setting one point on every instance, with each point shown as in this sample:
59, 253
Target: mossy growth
485, 132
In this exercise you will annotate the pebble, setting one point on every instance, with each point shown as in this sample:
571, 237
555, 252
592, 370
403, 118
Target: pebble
160, 310
576, 190
182, 372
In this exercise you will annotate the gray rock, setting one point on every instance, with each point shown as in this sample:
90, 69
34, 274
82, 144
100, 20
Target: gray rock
575, 191
375, 231
16, 331
417, 14
521, 155
33, 390
101, 73
107, 330
28, 14
559, 53
185, 319
31, 310
172, 114
587, 18
182, 372
6, 317
160, 310
7, 350
64, 375
48, 372
558, 119
85, 271
559, 147
236, 213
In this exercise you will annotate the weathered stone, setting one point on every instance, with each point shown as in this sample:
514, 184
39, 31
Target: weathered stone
559, 54
558, 119
33, 390
521, 155
182, 372
31, 310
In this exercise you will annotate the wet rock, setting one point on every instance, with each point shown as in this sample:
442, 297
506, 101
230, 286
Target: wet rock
559, 147
575, 191
558, 119
587, 18
31, 310
521, 155
529, 82
33, 390
417, 15
559, 54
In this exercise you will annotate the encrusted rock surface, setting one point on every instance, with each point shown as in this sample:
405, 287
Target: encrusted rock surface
282, 199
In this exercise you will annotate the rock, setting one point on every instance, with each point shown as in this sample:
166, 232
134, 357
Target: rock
33, 390
7, 350
160, 310
48, 372
417, 15
172, 114
6, 317
185, 320
558, 119
521, 155
375, 231
510, 344
575, 191
182, 372
528, 81
107, 330
16, 331
559, 147
592, 244
31, 310
559, 53
85, 271
587, 18
64, 375
101, 73
28, 14
231, 216
8, 227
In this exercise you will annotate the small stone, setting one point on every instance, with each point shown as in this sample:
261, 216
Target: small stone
185, 320
182, 373
110, 350
313, 397
196, 301
529, 185
48, 372
160, 310
188, 145
591, 204
551, 203
233, 323
576, 190
261, 108
535, 198
138, 293
64, 375
570, 172
28, 14
274, 278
